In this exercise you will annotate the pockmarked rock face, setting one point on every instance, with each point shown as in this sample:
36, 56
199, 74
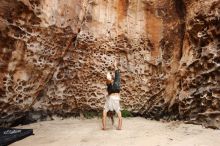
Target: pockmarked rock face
54, 58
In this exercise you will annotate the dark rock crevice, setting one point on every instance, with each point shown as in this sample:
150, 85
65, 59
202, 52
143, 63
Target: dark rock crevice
181, 12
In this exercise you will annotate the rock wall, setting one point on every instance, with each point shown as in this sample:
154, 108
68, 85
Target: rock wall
54, 57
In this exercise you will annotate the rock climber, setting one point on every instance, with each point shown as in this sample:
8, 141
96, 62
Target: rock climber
113, 98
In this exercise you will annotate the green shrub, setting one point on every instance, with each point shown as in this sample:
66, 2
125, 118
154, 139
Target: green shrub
90, 114
126, 113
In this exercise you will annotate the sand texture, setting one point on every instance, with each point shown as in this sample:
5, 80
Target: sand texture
136, 132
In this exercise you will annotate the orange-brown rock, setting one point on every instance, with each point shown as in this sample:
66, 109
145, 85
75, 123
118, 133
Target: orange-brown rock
55, 54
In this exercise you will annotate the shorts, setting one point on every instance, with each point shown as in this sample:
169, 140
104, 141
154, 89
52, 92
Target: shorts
112, 103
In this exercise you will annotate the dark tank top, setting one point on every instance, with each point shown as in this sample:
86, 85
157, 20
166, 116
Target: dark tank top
115, 86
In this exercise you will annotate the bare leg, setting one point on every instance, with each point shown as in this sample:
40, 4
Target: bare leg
104, 114
119, 120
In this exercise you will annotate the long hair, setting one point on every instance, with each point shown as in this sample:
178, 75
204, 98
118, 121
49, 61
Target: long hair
111, 114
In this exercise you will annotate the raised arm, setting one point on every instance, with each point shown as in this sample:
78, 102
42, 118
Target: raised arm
117, 74
109, 78
116, 65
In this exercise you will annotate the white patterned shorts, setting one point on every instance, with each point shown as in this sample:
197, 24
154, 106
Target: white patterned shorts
112, 103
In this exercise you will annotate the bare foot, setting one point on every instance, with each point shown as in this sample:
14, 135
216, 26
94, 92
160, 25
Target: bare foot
118, 128
103, 128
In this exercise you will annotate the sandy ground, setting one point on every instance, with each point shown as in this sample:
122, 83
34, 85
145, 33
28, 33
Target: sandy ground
136, 132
